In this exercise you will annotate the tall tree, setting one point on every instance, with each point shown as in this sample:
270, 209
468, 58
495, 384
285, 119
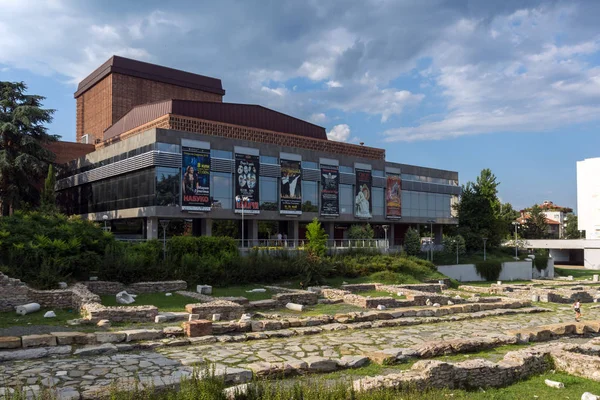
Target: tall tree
507, 216
23, 157
479, 212
536, 225
572, 228
49, 195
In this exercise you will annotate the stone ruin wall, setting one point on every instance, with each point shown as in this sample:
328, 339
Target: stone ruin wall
108, 287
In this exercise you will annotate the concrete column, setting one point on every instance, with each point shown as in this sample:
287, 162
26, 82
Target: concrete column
591, 258
252, 232
438, 234
152, 228
391, 234
329, 230
206, 227
293, 228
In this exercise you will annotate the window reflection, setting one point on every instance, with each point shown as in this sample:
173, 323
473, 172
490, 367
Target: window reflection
167, 186
310, 196
378, 206
221, 188
346, 199
268, 193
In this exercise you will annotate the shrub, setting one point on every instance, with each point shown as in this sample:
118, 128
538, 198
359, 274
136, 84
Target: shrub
360, 231
412, 242
489, 270
317, 238
540, 262
450, 244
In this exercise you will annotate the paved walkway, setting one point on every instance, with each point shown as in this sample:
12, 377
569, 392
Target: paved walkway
93, 372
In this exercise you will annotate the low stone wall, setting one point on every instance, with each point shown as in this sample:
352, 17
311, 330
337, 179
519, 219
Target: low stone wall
13, 293
52, 298
298, 297
360, 287
108, 287
419, 287
228, 309
96, 312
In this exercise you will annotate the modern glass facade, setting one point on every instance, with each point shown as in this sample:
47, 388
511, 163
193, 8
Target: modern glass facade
269, 193
221, 187
431, 205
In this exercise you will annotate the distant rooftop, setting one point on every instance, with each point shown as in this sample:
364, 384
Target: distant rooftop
140, 69
249, 115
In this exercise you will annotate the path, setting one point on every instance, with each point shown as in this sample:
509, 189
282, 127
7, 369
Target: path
166, 362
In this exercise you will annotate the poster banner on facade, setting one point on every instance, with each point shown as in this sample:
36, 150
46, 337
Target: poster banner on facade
291, 188
364, 197
330, 191
393, 197
247, 170
195, 179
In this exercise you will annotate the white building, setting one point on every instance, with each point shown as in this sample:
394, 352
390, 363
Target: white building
588, 197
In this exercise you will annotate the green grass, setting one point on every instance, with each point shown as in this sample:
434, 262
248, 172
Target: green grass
8, 319
577, 273
176, 302
487, 284
241, 291
320, 309
380, 293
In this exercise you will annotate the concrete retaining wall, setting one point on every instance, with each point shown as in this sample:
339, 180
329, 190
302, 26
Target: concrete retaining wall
513, 270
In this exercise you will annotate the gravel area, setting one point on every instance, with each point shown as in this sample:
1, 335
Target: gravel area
33, 330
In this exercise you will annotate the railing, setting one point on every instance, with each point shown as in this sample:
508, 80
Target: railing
300, 243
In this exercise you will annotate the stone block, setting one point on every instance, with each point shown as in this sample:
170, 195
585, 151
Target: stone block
110, 337
65, 338
263, 368
204, 289
142, 334
386, 356
352, 361
320, 364
173, 331
10, 342
197, 328
159, 319
38, 340
106, 348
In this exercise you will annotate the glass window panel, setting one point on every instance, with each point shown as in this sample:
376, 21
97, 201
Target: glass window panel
346, 169
221, 189
310, 196
430, 201
346, 199
167, 186
377, 172
310, 164
228, 155
269, 160
168, 147
268, 193
378, 207
439, 202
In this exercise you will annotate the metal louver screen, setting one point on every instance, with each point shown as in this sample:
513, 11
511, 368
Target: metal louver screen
270, 170
347, 179
309, 174
379, 181
221, 165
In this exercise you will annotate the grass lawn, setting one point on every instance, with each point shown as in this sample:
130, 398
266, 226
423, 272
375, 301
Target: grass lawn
380, 293
37, 318
486, 284
175, 302
241, 291
577, 273
320, 309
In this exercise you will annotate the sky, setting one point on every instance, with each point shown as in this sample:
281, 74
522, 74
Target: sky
463, 85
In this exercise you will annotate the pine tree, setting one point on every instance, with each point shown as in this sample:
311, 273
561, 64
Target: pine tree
48, 195
23, 155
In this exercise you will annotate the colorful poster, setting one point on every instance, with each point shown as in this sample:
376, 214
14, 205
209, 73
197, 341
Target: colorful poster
330, 191
247, 170
393, 197
195, 179
291, 188
364, 199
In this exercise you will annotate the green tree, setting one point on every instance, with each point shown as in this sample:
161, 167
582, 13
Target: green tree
572, 228
412, 242
361, 231
507, 216
23, 156
48, 203
479, 212
450, 243
536, 225
317, 239
266, 229
225, 228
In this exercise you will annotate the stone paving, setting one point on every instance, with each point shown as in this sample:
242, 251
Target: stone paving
90, 374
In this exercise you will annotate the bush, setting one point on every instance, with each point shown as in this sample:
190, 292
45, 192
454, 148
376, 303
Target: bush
412, 242
450, 244
489, 270
360, 231
317, 239
540, 262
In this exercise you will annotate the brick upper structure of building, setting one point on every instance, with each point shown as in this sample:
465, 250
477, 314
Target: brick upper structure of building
136, 120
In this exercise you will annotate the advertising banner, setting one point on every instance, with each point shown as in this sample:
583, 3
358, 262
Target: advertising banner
330, 191
364, 198
247, 170
195, 179
291, 187
393, 197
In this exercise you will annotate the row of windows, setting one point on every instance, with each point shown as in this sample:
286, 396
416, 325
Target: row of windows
162, 186
429, 179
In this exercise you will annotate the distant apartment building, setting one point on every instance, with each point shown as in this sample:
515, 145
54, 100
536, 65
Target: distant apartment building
555, 218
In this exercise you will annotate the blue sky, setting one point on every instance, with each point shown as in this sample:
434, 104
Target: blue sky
455, 84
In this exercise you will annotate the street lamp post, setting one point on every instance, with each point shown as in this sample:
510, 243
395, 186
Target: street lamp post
516, 224
105, 218
164, 223
484, 246
242, 199
431, 222
385, 229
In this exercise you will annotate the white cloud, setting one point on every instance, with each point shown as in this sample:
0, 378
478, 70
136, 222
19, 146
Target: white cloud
318, 118
333, 84
339, 133
280, 91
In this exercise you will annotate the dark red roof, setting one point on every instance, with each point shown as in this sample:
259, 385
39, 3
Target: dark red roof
140, 69
249, 115
67, 151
